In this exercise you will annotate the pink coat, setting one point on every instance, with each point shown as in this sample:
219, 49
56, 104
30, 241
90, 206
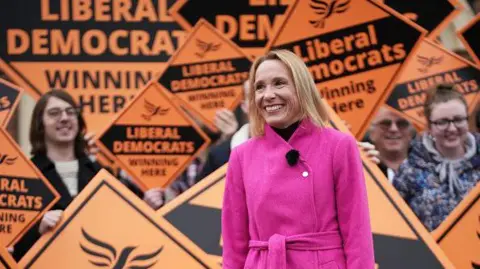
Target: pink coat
310, 216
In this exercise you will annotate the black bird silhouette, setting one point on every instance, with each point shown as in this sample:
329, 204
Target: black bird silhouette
8, 161
325, 9
474, 264
153, 110
206, 47
107, 256
427, 62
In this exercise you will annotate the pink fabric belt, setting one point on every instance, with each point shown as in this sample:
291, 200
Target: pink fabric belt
277, 245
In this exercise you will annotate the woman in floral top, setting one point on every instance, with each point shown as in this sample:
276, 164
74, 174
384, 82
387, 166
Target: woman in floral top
444, 165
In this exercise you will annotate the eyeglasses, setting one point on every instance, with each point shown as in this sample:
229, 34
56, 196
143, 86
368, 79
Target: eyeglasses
56, 112
442, 124
401, 124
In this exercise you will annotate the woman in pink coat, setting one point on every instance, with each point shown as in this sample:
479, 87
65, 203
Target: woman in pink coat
295, 193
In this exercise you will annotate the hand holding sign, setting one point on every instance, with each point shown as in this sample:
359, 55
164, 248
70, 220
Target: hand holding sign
50, 220
226, 122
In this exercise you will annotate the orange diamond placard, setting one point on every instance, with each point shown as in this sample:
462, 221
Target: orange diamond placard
25, 195
91, 234
433, 65
350, 51
101, 52
153, 139
9, 98
207, 73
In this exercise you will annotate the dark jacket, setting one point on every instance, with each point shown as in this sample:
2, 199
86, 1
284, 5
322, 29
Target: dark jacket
217, 156
87, 169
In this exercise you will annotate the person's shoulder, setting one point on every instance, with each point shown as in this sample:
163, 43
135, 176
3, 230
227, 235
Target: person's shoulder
334, 136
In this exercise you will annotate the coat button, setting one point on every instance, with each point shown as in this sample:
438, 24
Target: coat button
305, 174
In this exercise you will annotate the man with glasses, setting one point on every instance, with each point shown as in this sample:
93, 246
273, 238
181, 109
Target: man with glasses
391, 135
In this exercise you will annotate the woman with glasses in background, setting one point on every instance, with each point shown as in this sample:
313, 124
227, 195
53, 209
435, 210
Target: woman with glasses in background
444, 165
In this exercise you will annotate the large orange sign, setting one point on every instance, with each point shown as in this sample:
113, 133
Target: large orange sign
91, 234
459, 233
400, 239
350, 51
152, 139
9, 98
102, 52
25, 195
6, 261
432, 15
207, 73
248, 23
433, 65
469, 37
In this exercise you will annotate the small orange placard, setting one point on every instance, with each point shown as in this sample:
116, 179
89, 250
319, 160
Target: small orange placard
433, 65
91, 234
153, 139
9, 98
461, 230
350, 50
25, 195
207, 73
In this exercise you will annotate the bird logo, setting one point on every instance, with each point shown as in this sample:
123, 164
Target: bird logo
108, 257
153, 110
476, 265
206, 47
326, 8
4, 159
428, 62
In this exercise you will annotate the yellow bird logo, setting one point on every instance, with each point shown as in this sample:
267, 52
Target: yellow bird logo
103, 254
206, 47
326, 8
428, 62
153, 110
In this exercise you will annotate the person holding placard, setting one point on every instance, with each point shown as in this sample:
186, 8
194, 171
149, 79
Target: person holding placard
444, 165
295, 194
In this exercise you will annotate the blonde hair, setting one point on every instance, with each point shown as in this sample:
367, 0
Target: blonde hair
311, 105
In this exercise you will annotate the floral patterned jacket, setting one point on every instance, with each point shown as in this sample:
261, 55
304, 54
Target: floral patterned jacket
418, 182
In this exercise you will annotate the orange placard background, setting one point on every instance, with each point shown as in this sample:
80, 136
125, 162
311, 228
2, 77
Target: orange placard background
248, 23
206, 73
101, 52
351, 53
432, 65
25, 195
400, 239
459, 233
91, 233
152, 139
9, 98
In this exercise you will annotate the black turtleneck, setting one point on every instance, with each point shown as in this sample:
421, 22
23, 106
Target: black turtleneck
286, 133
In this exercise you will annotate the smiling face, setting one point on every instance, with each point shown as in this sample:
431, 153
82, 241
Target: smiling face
390, 133
60, 120
275, 94
449, 124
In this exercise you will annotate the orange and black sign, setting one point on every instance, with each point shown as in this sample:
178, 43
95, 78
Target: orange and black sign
469, 37
92, 235
248, 23
400, 240
207, 73
101, 52
24, 193
432, 15
152, 139
461, 229
9, 98
432, 65
6, 261
351, 52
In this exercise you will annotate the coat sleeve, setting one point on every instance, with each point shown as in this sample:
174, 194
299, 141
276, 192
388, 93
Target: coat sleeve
352, 206
234, 217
